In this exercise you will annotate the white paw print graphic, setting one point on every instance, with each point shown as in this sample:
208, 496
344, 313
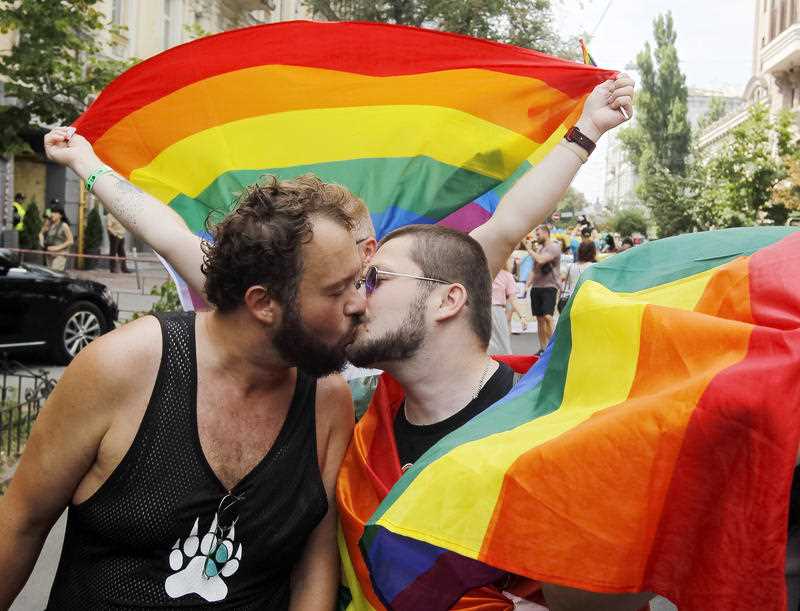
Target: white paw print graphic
209, 560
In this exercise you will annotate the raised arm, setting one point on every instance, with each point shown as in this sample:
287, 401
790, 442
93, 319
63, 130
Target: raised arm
144, 216
534, 196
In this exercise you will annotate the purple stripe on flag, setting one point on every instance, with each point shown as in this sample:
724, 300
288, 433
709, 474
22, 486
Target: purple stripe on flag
467, 218
409, 575
417, 557
448, 580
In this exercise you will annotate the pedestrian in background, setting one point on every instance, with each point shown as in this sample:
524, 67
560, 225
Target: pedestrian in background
544, 282
504, 292
57, 238
587, 255
116, 244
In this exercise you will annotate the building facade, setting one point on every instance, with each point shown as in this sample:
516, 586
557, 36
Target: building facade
621, 177
775, 80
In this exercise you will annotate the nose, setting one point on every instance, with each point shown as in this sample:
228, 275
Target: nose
357, 304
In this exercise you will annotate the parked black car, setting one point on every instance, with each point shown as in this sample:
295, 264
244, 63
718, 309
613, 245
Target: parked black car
44, 309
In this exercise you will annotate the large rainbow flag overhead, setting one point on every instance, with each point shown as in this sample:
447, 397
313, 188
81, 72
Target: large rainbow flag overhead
424, 126
650, 449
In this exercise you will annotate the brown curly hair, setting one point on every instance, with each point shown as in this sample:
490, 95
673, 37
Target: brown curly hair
260, 242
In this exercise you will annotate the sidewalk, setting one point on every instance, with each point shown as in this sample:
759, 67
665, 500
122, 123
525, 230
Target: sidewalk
131, 291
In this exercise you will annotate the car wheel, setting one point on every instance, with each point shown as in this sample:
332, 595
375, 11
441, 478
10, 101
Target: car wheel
82, 323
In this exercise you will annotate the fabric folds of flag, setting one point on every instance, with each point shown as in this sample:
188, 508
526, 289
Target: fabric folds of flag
650, 449
370, 468
424, 126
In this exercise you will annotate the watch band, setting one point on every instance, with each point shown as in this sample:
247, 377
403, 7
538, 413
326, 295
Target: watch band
582, 140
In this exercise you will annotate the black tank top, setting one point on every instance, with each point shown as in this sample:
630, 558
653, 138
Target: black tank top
163, 532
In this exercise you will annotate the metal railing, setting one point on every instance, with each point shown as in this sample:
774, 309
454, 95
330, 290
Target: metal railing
40, 257
22, 394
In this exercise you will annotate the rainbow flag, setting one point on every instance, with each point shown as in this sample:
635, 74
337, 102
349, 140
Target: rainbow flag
424, 126
371, 467
587, 57
650, 449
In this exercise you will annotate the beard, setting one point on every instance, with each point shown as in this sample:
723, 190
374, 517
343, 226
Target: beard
301, 347
398, 344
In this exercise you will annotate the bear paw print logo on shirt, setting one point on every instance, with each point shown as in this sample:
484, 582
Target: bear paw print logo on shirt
201, 565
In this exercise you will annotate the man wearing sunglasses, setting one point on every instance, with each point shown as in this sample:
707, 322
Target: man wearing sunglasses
427, 319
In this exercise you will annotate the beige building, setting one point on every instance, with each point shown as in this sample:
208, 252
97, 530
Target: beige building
776, 66
621, 177
145, 28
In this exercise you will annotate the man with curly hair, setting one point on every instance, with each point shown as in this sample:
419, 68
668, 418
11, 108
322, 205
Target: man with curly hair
197, 453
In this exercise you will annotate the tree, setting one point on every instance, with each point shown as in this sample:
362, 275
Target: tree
31, 226
55, 66
749, 181
787, 191
573, 201
526, 23
628, 221
660, 142
716, 110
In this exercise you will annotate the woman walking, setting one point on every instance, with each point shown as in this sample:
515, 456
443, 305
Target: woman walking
57, 239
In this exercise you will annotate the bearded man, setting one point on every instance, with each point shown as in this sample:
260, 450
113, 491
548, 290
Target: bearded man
197, 454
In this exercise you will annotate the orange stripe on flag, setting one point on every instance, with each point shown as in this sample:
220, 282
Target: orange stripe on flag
266, 90
568, 494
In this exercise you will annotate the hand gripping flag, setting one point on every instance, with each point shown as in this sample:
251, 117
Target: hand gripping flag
424, 126
650, 449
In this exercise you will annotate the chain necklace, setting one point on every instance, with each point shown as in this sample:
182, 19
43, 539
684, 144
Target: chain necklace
481, 381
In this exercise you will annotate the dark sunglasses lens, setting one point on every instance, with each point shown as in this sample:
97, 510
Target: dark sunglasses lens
371, 279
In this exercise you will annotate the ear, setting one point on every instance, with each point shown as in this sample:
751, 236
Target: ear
262, 305
367, 249
452, 302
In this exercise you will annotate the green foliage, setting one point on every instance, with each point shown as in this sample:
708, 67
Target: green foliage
659, 144
741, 178
662, 101
31, 226
716, 110
54, 67
628, 221
526, 23
573, 201
93, 237
168, 300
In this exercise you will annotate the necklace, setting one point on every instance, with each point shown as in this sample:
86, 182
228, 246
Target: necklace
481, 381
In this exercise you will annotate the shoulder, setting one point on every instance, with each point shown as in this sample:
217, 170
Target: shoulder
120, 360
335, 420
334, 404
109, 371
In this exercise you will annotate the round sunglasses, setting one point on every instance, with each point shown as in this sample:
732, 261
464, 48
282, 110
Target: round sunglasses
373, 276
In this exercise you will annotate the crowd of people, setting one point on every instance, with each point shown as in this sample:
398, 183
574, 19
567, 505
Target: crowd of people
545, 268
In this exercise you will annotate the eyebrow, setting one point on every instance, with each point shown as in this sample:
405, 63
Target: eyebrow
343, 281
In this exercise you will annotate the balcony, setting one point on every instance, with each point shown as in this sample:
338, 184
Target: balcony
783, 52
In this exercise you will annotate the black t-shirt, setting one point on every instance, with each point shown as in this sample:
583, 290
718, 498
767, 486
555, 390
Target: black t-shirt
413, 440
